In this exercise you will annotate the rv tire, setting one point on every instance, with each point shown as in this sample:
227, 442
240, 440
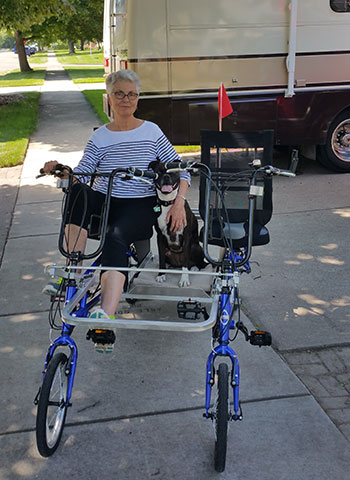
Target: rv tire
335, 154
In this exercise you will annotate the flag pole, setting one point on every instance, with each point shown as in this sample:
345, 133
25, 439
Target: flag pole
220, 125
220, 108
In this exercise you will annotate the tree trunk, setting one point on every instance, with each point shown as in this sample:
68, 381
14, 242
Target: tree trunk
71, 47
22, 57
82, 45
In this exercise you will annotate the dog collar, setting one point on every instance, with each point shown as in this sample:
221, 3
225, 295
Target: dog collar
165, 203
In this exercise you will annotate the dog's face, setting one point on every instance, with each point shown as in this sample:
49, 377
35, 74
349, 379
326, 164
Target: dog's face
167, 183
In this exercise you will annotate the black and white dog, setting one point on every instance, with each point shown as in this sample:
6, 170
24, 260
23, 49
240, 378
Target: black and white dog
181, 248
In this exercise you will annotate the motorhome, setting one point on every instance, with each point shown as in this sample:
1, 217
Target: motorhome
285, 65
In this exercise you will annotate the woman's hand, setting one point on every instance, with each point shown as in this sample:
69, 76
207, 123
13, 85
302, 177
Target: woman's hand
177, 215
49, 166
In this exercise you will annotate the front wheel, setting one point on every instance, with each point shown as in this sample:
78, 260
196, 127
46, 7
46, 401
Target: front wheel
335, 154
52, 406
221, 417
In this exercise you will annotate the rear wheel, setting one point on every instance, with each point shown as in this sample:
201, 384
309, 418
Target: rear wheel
335, 154
52, 406
221, 418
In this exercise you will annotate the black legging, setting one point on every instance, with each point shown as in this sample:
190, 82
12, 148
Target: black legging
130, 219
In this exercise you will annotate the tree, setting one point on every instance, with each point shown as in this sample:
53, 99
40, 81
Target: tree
19, 16
81, 20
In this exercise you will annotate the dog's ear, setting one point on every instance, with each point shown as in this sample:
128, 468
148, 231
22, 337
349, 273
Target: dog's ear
154, 164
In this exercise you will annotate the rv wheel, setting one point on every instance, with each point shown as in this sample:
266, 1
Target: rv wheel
335, 154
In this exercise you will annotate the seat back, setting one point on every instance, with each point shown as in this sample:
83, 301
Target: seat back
227, 153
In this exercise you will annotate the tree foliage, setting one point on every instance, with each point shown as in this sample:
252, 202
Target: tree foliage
19, 16
50, 20
81, 20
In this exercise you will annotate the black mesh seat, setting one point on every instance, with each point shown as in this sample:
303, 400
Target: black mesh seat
228, 153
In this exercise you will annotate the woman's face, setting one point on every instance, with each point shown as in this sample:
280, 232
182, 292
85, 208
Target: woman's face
123, 99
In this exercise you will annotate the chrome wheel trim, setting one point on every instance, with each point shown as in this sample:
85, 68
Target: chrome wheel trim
340, 141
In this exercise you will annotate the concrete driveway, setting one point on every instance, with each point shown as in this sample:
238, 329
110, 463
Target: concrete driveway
138, 413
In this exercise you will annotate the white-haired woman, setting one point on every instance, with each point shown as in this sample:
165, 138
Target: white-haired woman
127, 141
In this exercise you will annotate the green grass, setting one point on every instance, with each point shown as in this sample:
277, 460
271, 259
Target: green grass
80, 58
187, 148
17, 121
86, 75
96, 100
40, 57
20, 79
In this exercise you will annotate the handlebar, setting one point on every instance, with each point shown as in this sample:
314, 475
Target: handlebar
132, 172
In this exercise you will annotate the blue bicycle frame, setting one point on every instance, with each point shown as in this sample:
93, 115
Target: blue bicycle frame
229, 301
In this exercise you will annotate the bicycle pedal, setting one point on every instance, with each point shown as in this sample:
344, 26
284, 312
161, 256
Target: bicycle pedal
260, 338
190, 310
102, 337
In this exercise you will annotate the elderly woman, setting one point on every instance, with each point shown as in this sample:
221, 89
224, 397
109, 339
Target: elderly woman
127, 141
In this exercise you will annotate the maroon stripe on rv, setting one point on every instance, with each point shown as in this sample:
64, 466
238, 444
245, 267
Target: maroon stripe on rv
232, 57
210, 90
195, 59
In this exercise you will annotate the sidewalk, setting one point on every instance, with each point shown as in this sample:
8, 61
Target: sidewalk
137, 414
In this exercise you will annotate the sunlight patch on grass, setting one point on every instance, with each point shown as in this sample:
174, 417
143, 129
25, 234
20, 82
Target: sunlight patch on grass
40, 57
86, 75
21, 79
80, 58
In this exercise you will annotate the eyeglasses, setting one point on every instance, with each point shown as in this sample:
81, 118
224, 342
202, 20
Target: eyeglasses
121, 95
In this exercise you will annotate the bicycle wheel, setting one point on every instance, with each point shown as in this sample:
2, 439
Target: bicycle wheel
52, 406
221, 418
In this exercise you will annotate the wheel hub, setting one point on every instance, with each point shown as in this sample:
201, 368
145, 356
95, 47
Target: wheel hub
344, 139
341, 141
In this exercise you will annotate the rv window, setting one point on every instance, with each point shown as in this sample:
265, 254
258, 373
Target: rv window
340, 5
120, 6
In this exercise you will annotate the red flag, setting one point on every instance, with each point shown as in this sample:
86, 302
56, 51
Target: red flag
225, 107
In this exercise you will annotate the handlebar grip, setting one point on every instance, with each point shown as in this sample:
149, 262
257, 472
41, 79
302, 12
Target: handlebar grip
278, 171
144, 173
175, 164
285, 173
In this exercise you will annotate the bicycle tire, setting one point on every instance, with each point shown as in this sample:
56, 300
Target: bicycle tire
221, 418
52, 406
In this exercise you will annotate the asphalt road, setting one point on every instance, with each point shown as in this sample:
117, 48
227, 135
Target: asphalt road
8, 61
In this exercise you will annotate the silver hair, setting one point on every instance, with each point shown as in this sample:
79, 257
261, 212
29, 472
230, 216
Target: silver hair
122, 76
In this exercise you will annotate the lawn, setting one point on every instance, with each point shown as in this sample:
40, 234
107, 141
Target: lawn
79, 57
86, 74
18, 120
40, 57
20, 79
96, 100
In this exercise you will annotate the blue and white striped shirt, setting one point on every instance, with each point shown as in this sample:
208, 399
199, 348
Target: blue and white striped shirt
107, 150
